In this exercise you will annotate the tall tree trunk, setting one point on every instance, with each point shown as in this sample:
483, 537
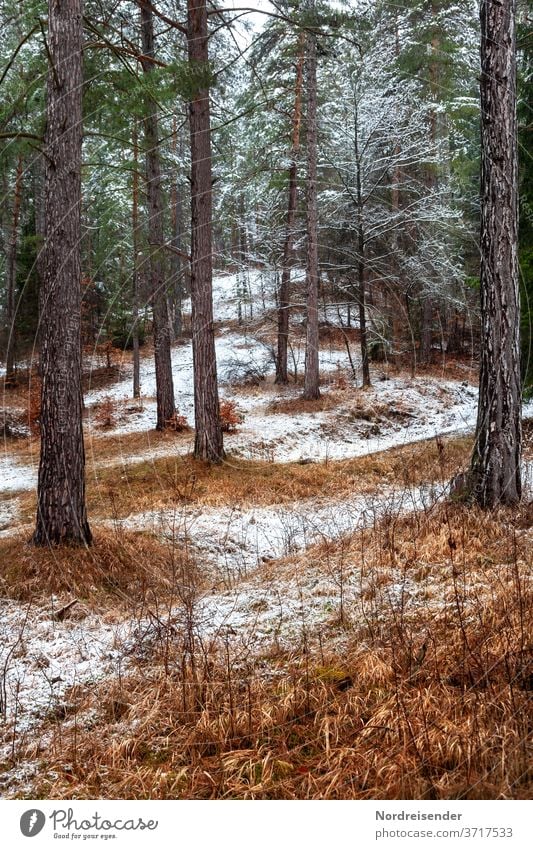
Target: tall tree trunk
242, 286
361, 250
396, 285
426, 316
496, 458
39, 163
426, 329
361, 274
311, 380
175, 260
162, 338
135, 280
61, 510
284, 289
394, 288
11, 276
208, 443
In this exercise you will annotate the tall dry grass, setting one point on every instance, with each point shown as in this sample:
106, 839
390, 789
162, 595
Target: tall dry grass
117, 571
421, 690
119, 489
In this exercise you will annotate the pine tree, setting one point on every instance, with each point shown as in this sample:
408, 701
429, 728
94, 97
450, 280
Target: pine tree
525, 153
135, 274
11, 275
208, 443
162, 330
312, 377
61, 510
495, 470
288, 247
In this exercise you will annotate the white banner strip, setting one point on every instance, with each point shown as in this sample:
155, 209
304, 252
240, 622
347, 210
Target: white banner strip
253, 825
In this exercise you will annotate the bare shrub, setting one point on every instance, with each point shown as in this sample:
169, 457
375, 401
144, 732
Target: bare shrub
230, 416
105, 415
177, 423
239, 373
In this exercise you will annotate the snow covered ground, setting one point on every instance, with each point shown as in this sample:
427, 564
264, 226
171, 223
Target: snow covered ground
233, 351
42, 658
416, 409
230, 541
257, 601
14, 476
241, 551
397, 410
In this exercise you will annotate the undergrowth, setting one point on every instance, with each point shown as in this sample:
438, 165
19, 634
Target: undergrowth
116, 571
420, 690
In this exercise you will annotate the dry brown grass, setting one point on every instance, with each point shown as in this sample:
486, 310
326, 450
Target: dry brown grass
116, 491
443, 367
106, 413
101, 377
298, 404
335, 336
98, 377
426, 700
17, 395
104, 448
352, 403
114, 572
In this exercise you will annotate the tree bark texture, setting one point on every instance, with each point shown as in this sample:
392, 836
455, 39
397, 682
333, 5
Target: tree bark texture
284, 289
61, 510
175, 259
208, 443
11, 276
162, 330
135, 280
496, 459
361, 250
431, 180
311, 380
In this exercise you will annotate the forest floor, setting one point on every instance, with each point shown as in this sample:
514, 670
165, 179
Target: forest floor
312, 618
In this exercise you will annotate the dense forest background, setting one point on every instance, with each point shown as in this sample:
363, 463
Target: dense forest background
398, 166
266, 525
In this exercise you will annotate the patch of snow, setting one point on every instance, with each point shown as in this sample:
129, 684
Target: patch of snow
9, 514
40, 659
231, 349
253, 289
233, 541
419, 409
15, 476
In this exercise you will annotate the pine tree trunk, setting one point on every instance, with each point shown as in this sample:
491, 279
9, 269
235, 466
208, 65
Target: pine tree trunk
11, 277
311, 380
39, 163
284, 289
208, 443
135, 281
361, 270
162, 333
61, 510
361, 250
496, 459
175, 261
243, 253
426, 331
